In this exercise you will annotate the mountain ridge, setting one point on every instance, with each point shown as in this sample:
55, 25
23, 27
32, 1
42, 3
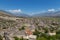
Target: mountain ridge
45, 14
48, 14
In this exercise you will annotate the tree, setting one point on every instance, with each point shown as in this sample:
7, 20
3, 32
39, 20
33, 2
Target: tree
16, 38
36, 32
41, 38
1, 38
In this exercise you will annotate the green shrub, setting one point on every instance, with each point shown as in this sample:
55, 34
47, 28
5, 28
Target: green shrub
16, 38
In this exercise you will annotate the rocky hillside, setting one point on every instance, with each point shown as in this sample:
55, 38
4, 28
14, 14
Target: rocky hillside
4, 13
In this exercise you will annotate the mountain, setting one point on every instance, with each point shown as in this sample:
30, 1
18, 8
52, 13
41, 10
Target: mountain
48, 14
21, 14
45, 14
7, 14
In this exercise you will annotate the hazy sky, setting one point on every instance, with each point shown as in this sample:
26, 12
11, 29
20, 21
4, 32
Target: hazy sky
29, 6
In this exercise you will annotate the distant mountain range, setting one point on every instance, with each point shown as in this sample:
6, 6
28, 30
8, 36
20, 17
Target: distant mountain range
45, 14
48, 14
5, 13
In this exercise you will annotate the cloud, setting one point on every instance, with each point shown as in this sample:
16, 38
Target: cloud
58, 8
51, 10
15, 11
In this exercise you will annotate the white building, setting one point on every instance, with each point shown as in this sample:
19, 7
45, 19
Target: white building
51, 34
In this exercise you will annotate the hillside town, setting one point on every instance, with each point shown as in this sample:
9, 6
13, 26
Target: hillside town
30, 29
